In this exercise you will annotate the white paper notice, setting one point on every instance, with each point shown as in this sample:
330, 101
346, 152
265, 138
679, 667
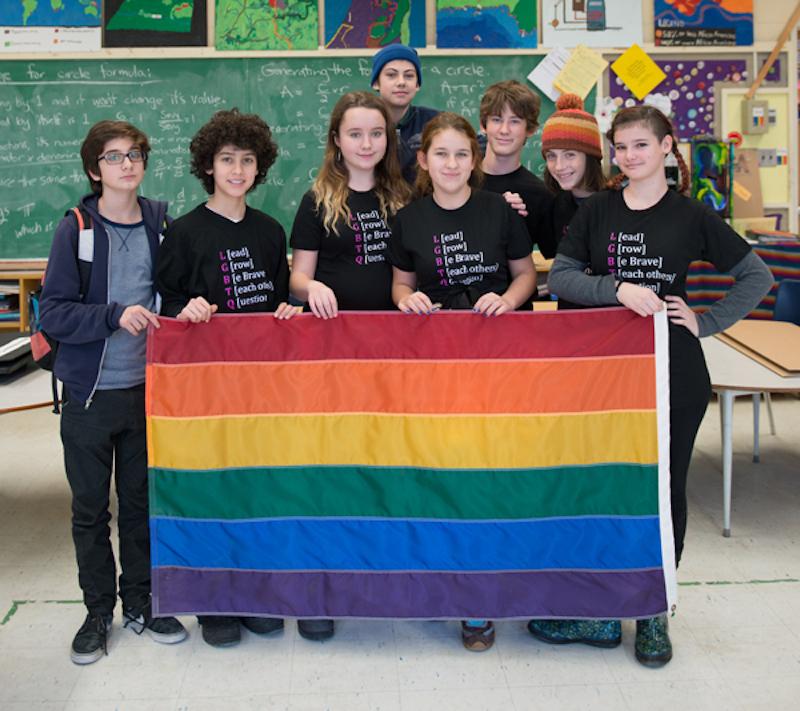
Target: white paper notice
547, 70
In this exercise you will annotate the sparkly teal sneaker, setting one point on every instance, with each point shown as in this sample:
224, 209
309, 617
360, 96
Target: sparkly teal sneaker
653, 648
597, 633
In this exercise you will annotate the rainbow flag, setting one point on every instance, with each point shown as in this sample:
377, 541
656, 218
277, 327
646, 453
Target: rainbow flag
397, 466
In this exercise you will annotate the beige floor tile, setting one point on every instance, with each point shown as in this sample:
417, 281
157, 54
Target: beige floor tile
736, 634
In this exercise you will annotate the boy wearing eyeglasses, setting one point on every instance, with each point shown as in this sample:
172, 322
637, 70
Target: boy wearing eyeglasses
101, 361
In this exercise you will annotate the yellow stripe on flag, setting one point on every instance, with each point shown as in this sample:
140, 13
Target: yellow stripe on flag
450, 441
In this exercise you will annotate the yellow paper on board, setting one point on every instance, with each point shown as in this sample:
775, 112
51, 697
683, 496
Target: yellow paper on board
640, 73
581, 72
741, 191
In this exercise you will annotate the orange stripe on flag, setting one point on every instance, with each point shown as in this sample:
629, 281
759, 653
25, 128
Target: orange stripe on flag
420, 387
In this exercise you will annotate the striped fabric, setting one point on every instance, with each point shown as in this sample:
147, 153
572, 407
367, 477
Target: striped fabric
705, 285
385, 465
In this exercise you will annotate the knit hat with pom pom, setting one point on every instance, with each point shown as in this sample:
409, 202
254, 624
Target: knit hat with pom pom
571, 128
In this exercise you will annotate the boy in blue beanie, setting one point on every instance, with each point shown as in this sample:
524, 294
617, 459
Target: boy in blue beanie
397, 77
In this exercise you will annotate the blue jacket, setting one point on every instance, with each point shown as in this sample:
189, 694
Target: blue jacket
82, 323
409, 138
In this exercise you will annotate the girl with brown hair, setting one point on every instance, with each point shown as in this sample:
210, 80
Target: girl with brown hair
458, 247
662, 231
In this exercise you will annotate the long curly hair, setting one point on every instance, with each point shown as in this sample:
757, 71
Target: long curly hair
661, 127
247, 132
330, 187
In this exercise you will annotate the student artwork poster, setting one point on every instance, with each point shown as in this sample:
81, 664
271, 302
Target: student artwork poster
154, 23
374, 23
703, 22
496, 24
594, 23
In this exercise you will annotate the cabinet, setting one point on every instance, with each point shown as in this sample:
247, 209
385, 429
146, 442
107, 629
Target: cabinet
28, 280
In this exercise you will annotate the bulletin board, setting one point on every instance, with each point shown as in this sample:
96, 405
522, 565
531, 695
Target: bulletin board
774, 179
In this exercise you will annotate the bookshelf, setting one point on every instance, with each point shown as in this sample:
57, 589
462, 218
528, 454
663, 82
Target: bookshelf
27, 280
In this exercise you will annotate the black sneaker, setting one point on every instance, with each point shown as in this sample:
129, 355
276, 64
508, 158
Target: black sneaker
165, 630
220, 631
262, 625
315, 630
91, 641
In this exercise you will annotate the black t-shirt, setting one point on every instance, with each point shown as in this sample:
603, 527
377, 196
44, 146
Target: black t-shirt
563, 210
564, 207
653, 248
355, 262
538, 202
239, 266
459, 255
409, 138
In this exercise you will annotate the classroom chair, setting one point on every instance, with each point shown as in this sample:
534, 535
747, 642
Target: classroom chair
787, 301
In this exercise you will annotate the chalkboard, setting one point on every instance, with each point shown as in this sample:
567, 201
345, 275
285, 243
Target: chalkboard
47, 106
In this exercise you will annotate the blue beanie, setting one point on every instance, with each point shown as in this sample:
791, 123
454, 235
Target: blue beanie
391, 52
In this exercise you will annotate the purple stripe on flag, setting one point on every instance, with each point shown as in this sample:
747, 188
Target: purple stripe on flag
411, 595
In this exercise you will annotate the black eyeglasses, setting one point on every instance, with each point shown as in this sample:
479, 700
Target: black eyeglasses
135, 155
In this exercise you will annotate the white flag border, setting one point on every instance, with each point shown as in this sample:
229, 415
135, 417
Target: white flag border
661, 332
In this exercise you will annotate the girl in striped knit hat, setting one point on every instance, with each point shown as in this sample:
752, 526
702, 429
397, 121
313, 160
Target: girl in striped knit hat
572, 147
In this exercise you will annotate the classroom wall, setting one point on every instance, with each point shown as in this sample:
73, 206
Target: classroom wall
769, 18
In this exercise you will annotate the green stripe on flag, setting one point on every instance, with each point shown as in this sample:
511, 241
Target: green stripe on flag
403, 492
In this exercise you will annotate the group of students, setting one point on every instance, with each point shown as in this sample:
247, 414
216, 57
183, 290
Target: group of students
364, 238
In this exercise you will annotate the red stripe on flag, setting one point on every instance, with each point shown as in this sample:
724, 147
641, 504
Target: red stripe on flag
393, 335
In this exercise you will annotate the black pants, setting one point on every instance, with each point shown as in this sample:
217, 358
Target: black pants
683, 423
690, 390
108, 436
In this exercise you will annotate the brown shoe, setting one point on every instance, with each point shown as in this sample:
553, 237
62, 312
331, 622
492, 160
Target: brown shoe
477, 639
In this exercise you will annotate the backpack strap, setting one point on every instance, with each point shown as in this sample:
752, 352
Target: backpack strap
82, 217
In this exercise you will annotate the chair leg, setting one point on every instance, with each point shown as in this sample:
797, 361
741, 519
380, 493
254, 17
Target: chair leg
768, 399
756, 418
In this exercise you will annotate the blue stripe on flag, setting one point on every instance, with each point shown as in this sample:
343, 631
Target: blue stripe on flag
589, 543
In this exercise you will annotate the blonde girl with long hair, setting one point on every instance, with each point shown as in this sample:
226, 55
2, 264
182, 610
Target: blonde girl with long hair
341, 235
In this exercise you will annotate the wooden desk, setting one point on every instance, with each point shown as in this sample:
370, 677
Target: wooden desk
733, 373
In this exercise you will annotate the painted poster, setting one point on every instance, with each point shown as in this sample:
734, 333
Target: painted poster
155, 23
160, 15
266, 24
712, 168
689, 86
50, 13
687, 23
50, 25
594, 23
374, 23
486, 23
